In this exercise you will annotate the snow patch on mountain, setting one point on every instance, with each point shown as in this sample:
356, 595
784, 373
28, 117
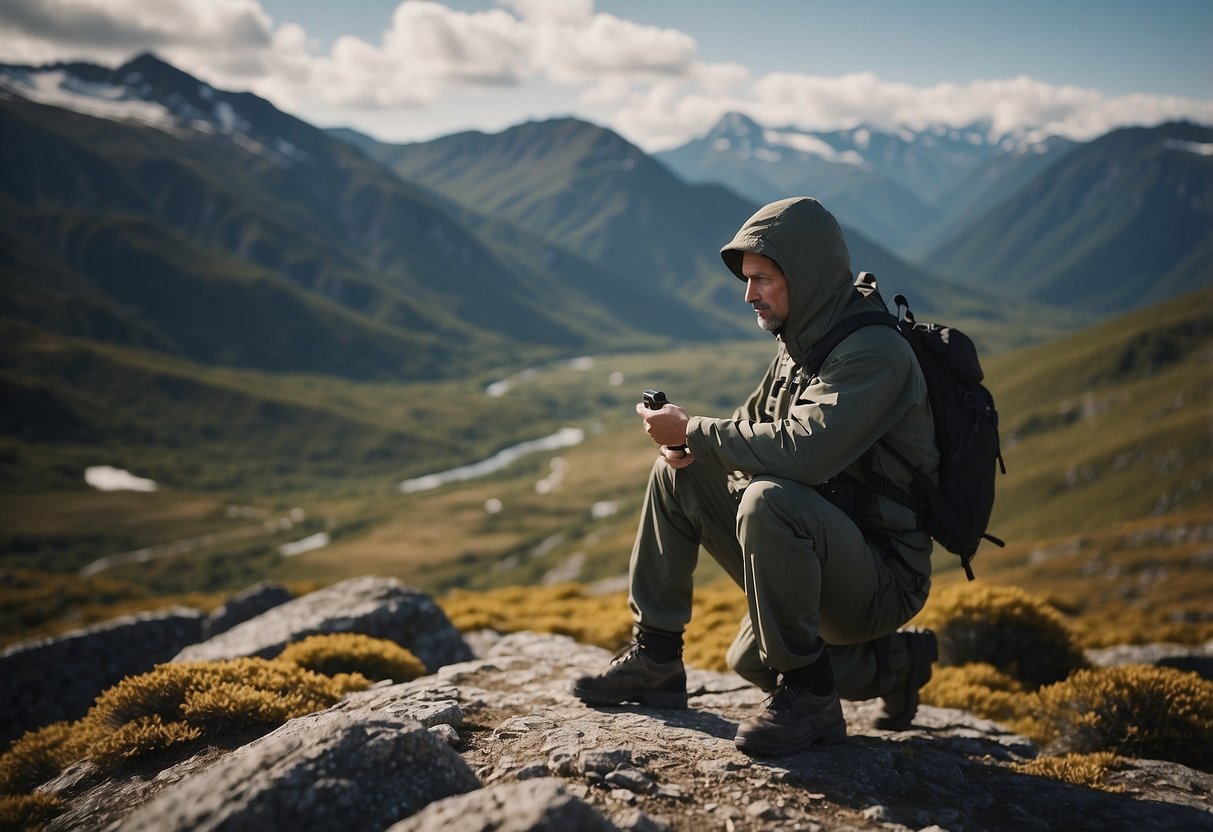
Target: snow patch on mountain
132, 100
812, 145
58, 88
1198, 148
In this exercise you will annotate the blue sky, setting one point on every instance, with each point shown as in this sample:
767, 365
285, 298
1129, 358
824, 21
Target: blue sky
661, 72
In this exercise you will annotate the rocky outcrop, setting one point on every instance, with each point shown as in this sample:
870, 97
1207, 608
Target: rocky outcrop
380, 607
378, 756
245, 605
1163, 654
50, 679
524, 754
543, 805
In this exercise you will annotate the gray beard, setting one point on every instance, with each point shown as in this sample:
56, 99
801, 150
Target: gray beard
770, 324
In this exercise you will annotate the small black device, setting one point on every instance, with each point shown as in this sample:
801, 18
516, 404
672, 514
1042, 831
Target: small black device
655, 400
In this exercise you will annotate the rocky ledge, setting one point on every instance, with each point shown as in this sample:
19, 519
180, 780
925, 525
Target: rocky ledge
498, 743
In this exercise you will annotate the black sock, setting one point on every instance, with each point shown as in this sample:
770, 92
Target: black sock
817, 677
660, 647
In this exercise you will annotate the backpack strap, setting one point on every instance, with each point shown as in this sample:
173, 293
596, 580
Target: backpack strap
838, 333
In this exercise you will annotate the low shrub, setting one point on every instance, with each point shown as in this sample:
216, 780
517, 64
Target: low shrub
336, 653
1017, 633
1134, 710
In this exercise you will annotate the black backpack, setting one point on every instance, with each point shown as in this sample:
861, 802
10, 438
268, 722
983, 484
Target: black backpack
956, 511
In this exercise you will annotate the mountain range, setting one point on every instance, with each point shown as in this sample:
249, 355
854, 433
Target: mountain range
145, 208
158, 212
592, 191
898, 187
157, 232
1121, 222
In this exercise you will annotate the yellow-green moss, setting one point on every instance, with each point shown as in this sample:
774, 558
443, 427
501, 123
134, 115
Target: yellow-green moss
1080, 769
28, 811
374, 658
212, 697
37, 756
170, 706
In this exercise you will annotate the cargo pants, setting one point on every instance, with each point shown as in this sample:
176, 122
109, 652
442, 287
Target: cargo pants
812, 582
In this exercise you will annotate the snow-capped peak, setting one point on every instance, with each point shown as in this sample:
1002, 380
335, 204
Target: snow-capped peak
148, 92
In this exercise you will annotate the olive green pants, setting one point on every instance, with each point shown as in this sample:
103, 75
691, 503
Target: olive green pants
811, 580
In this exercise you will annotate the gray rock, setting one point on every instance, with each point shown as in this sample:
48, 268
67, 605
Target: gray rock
950, 764
634, 820
98, 800
326, 771
245, 605
1198, 659
379, 607
540, 805
50, 679
348, 766
630, 779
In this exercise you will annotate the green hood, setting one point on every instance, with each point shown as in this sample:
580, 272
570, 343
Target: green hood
805, 241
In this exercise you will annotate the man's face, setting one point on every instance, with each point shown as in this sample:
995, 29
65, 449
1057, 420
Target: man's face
766, 290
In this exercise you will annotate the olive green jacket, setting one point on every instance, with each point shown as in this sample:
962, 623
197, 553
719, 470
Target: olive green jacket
869, 394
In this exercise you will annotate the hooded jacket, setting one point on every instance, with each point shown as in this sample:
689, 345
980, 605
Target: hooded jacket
869, 393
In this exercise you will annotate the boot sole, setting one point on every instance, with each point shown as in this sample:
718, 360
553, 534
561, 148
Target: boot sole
650, 698
831, 735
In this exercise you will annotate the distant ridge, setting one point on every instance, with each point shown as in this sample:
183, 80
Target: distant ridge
1116, 224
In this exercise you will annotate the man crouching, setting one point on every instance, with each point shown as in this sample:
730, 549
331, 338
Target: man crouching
784, 494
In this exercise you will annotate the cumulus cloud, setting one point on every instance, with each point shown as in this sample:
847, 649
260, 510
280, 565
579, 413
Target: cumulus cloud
430, 48
645, 81
230, 34
604, 46
667, 115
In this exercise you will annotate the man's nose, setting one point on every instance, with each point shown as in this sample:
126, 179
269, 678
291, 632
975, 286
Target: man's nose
751, 293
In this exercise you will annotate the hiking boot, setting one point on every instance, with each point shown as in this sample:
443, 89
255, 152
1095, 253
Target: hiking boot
636, 677
795, 718
899, 705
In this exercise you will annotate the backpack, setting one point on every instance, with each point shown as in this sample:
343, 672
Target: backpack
956, 511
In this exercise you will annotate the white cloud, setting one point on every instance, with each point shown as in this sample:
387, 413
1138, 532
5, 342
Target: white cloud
604, 46
1022, 105
562, 10
644, 81
229, 35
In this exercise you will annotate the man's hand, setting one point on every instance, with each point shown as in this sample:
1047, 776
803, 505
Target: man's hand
676, 457
667, 426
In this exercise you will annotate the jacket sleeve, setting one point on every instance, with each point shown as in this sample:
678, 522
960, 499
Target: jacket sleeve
858, 396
